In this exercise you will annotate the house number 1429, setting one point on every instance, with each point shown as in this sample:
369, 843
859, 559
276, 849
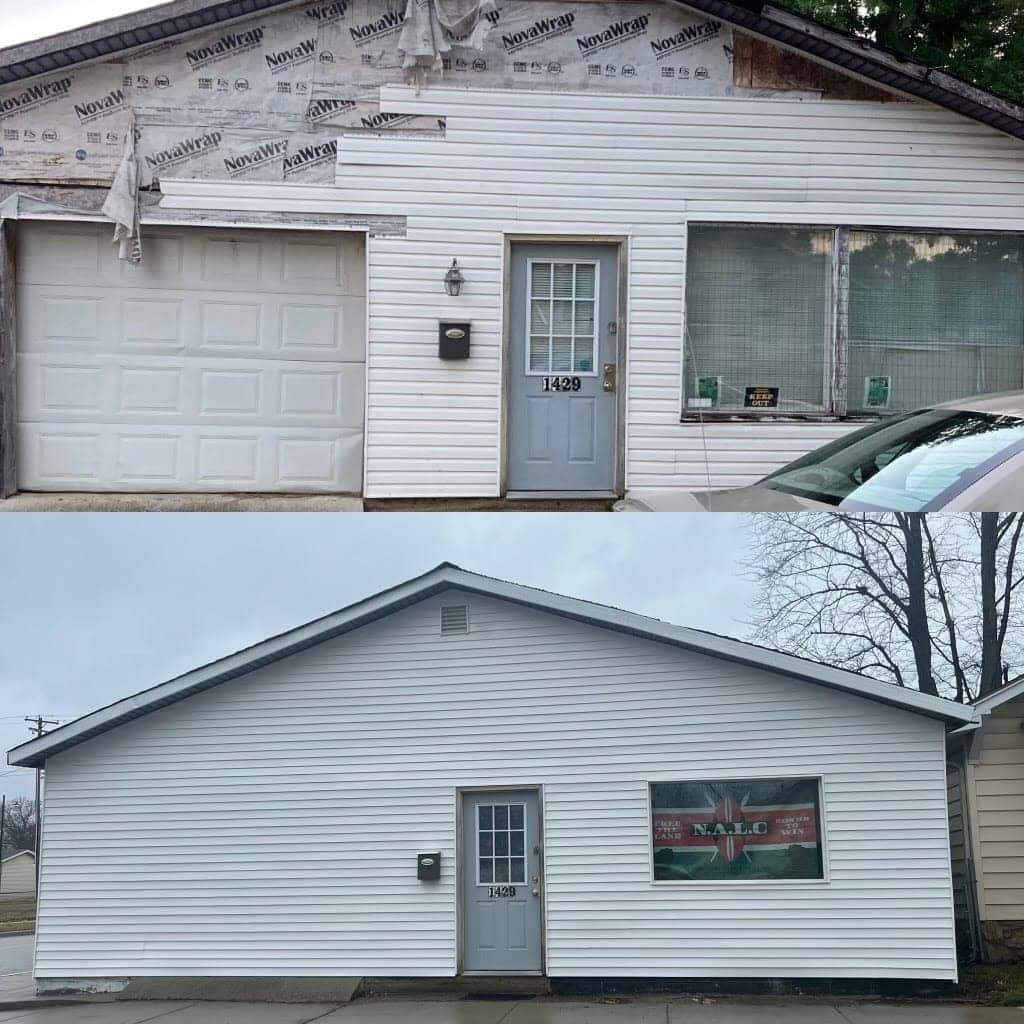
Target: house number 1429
561, 384
500, 891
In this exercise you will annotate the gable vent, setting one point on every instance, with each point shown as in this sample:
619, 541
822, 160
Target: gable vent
454, 619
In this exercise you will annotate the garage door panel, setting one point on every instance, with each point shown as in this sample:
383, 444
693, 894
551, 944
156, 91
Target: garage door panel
288, 326
140, 389
224, 362
137, 457
306, 263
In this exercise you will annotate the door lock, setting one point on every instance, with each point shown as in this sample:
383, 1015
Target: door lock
535, 885
609, 377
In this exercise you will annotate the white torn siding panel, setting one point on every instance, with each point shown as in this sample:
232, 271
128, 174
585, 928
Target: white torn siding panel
164, 838
639, 167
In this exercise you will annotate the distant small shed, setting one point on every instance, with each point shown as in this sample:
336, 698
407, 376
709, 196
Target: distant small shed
985, 785
18, 874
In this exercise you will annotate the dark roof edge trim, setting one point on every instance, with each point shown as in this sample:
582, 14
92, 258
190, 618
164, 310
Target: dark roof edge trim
864, 60
112, 36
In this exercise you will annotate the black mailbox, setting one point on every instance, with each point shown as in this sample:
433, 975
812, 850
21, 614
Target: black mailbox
428, 866
452, 340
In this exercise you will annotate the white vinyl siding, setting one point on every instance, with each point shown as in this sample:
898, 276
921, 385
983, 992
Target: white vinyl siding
998, 777
560, 164
164, 839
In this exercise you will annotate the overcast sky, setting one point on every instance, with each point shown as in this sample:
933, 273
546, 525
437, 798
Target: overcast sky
96, 607
20, 21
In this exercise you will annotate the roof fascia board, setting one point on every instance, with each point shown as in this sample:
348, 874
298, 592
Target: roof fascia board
865, 61
20, 853
989, 703
35, 752
104, 39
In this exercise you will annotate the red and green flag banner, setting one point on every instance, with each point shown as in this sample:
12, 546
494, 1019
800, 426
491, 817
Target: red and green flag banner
736, 829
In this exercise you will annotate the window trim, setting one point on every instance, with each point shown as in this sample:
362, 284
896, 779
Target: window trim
596, 335
476, 829
836, 407
719, 883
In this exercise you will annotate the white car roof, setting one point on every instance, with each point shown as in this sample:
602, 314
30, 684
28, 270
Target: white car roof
1005, 403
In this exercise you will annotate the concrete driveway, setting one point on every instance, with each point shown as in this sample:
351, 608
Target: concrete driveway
644, 1010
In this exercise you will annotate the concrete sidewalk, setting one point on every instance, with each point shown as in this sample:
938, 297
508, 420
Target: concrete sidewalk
546, 1010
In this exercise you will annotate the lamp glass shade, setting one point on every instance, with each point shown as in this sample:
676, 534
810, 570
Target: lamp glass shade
453, 279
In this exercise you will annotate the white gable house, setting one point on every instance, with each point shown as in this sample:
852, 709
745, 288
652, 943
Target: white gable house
473, 776
583, 247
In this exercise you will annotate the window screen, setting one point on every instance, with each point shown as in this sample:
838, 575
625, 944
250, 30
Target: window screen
736, 829
933, 317
759, 315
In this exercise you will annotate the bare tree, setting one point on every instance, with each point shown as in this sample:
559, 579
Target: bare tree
933, 602
19, 825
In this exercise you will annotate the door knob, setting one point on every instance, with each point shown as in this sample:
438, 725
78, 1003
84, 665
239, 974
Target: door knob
609, 377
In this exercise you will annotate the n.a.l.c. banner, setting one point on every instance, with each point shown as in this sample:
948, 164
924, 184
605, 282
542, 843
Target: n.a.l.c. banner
736, 829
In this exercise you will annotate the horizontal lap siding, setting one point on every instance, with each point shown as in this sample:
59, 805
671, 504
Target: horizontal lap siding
271, 825
999, 791
525, 162
957, 840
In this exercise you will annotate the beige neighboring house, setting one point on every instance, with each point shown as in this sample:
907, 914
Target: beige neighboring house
18, 874
985, 785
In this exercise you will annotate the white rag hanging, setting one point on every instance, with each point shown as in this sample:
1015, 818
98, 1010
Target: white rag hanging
432, 27
122, 203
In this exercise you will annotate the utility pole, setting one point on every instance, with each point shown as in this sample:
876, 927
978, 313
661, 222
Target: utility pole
3, 818
36, 726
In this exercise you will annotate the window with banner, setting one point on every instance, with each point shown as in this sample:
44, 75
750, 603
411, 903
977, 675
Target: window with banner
737, 830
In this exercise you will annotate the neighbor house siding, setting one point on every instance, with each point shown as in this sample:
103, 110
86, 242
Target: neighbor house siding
164, 838
18, 875
957, 840
558, 164
998, 772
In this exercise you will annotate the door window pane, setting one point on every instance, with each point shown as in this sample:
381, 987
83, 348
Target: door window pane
563, 281
583, 354
561, 354
540, 279
758, 315
563, 317
501, 842
737, 829
933, 317
585, 277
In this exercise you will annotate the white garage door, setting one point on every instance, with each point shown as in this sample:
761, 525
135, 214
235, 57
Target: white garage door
227, 361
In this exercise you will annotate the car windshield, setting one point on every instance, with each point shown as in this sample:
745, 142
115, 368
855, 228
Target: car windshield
903, 464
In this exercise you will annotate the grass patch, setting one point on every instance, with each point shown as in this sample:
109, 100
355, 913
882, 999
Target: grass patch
994, 984
17, 916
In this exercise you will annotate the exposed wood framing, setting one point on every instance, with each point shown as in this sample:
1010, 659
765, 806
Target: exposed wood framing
758, 64
8, 438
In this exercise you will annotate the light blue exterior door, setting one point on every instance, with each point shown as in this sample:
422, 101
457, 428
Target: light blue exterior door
562, 368
501, 882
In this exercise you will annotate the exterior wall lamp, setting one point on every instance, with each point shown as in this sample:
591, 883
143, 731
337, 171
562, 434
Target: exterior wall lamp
453, 279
